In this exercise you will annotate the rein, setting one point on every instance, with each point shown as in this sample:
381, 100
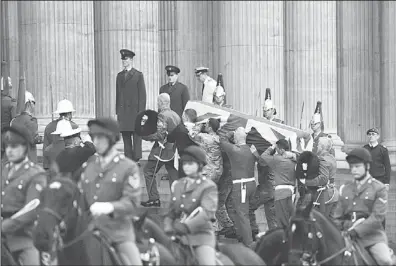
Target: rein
333, 256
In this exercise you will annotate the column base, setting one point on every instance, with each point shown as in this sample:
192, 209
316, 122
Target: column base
340, 153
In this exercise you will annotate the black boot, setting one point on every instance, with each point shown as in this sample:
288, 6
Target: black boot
151, 203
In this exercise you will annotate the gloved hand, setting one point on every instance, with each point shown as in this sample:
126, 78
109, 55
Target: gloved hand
180, 228
170, 233
86, 138
101, 208
302, 180
352, 234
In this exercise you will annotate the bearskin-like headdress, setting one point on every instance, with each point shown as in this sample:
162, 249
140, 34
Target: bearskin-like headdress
307, 165
146, 123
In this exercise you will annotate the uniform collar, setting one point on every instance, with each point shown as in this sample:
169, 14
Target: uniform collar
207, 79
19, 166
373, 146
191, 185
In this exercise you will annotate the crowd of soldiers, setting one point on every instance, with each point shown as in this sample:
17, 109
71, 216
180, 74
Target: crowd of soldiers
214, 174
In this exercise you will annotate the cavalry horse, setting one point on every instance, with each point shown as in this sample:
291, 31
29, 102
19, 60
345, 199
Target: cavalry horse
7, 258
315, 240
63, 235
272, 246
227, 254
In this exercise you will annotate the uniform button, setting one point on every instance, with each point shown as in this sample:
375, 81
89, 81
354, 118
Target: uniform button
19, 186
84, 165
26, 166
86, 180
198, 181
204, 178
2, 206
114, 179
366, 197
7, 182
82, 176
116, 159
95, 197
2, 193
194, 200
100, 174
181, 205
81, 190
174, 198
183, 196
98, 185
354, 203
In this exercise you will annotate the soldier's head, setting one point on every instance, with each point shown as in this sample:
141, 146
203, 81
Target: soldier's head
189, 115
30, 102
70, 135
127, 57
193, 159
373, 135
172, 72
212, 125
240, 136
219, 95
17, 141
105, 133
325, 144
201, 73
359, 160
282, 146
65, 109
163, 101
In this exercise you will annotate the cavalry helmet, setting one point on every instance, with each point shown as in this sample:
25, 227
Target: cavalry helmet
105, 126
64, 106
194, 153
359, 155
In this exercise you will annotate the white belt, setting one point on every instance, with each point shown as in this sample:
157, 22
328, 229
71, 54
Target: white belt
285, 187
242, 181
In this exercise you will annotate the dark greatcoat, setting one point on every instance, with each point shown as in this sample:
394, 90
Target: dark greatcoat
130, 98
179, 96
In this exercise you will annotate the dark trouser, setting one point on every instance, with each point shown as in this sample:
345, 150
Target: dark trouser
224, 187
149, 172
283, 211
133, 152
264, 195
240, 213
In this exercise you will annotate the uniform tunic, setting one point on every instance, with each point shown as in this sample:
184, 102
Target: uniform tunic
187, 195
316, 142
208, 90
369, 201
179, 96
19, 188
118, 183
29, 122
8, 110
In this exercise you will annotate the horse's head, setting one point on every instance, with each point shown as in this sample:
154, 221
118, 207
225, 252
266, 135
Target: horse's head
303, 236
59, 201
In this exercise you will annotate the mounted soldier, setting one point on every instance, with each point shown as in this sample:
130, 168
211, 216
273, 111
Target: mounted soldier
22, 182
194, 199
364, 198
317, 126
111, 184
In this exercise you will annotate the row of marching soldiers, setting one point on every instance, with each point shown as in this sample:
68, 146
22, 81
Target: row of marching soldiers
201, 186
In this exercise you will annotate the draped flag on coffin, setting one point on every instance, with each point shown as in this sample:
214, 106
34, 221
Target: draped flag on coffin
261, 132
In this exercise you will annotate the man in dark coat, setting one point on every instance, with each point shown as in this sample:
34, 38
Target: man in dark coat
8, 107
177, 91
130, 100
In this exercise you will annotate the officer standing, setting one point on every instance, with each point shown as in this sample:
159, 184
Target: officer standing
22, 181
8, 107
130, 100
111, 185
364, 198
27, 121
209, 84
65, 110
178, 92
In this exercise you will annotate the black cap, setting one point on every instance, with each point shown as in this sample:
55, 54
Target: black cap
125, 53
373, 130
200, 70
170, 69
107, 126
17, 134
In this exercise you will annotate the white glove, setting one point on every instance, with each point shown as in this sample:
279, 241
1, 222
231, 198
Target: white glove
86, 138
302, 180
253, 149
101, 208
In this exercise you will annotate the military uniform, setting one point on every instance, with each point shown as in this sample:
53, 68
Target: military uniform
53, 144
369, 201
316, 142
179, 96
8, 112
19, 188
29, 122
168, 120
208, 90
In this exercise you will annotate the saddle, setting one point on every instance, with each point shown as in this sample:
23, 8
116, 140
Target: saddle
357, 247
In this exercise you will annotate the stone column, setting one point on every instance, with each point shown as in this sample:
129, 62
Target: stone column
56, 52
388, 78
130, 25
251, 53
358, 70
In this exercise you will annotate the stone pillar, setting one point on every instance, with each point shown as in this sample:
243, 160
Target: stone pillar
56, 52
388, 78
358, 70
251, 53
129, 25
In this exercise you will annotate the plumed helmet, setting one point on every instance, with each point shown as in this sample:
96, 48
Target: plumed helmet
307, 165
194, 153
359, 155
146, 123
29, 97
17, 134
105, 126
64, 106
